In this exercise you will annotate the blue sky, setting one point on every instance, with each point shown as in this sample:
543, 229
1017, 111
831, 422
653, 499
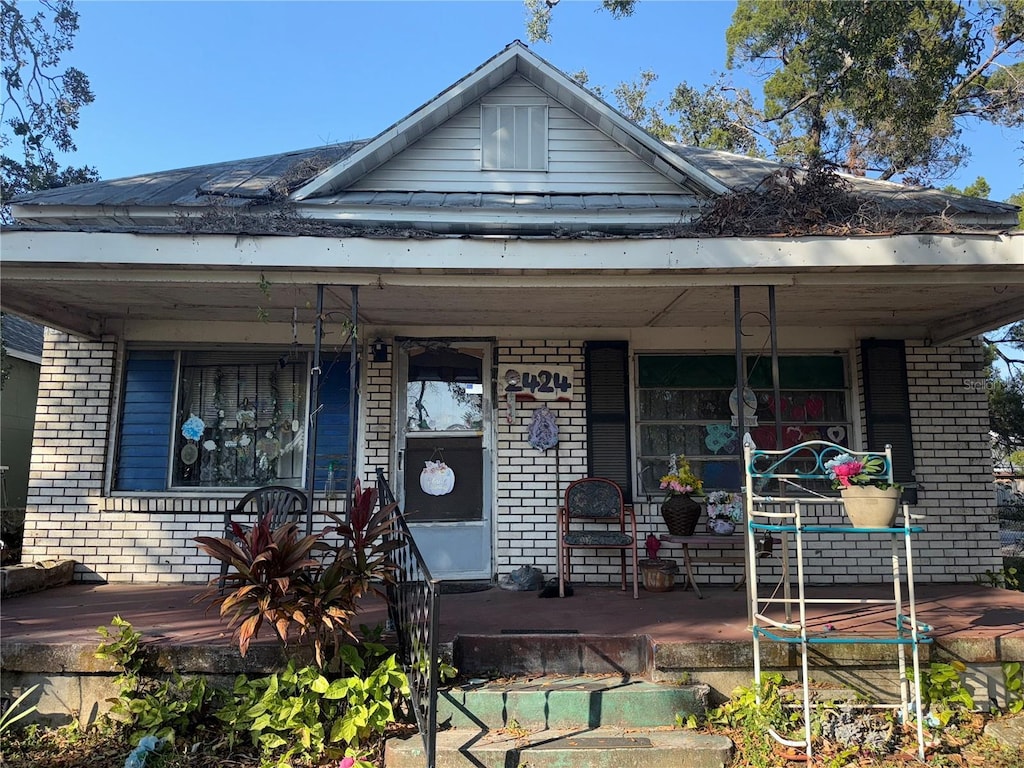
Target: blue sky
188, 83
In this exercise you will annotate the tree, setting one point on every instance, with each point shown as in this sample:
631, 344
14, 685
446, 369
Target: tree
1018, 200
1006, 391
41, 104
980, 189
883, 87
871, 86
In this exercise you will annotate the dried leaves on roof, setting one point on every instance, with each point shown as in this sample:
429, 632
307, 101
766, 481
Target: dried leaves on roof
818, 201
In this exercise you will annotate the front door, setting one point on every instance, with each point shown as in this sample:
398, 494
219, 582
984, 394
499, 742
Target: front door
444, 455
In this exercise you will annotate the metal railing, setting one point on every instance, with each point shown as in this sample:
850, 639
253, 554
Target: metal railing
414, 607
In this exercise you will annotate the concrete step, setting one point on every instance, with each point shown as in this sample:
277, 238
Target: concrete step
552, 653
569, 702
576, 748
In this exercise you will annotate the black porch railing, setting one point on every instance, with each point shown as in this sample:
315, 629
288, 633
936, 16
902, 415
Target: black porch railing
414, 607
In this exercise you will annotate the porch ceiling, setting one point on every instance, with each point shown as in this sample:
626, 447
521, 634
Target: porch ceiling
934, 304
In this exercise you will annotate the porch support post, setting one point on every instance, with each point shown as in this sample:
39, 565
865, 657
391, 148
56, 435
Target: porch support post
314, 408
773, 329
353, 363
741, 379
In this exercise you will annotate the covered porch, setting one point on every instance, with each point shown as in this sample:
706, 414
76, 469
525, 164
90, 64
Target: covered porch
672, 635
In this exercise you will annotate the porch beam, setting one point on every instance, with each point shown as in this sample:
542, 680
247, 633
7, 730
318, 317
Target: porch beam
58, 316
704, 279
1008, 310
771, 255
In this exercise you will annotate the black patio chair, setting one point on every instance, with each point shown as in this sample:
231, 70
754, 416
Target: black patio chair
285, 504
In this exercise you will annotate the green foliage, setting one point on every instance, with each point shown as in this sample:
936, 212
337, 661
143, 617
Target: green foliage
943, 695
298, 713
882, 87
14, 713
164, 709
1004, 578
301, 713
41, 104
167, 709
1013, 680
1018, 200
123, 650
980, 189
752, 711
277, 581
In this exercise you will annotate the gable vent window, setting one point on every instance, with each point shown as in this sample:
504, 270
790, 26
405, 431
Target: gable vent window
513, 138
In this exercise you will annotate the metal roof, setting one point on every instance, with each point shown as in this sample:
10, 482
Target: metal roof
21, 335
140, 203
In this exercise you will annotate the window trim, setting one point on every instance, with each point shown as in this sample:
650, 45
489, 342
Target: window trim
848, 390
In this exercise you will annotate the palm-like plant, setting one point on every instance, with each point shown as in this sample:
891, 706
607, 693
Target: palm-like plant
306, 586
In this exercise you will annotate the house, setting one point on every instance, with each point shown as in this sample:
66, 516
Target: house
23, 350
514, 243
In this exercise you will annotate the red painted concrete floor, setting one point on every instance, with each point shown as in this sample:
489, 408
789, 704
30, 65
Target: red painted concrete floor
165, 613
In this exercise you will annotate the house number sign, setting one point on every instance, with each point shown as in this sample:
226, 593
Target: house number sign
538, 382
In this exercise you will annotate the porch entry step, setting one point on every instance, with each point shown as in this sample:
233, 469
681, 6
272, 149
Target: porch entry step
569, 702
546, 653
572, 748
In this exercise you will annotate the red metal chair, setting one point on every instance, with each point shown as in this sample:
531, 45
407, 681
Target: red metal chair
595, 500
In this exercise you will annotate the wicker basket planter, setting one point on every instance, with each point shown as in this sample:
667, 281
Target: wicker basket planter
681, 514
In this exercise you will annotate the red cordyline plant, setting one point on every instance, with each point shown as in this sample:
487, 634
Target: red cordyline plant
306, 586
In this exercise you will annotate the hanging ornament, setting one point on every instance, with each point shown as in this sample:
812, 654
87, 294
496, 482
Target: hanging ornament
436, 477
543, 432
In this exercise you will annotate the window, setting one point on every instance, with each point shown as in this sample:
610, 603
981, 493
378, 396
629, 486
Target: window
513, 138
238, 420
683, 407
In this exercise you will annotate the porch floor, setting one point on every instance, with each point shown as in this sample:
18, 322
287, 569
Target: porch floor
166, 615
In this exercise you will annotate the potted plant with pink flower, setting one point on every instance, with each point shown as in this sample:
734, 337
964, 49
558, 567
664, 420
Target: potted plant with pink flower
680, 510
870, 499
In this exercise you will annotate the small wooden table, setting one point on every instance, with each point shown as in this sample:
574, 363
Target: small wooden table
735, 541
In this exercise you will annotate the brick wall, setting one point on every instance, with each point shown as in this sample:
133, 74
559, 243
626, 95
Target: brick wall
148, 538
531, 482
114, 538
949, 414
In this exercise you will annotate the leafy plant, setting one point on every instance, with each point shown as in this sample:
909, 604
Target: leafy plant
11, 714
1013, 680
943, 695
267, 562
278, 581
163, 709
123, 651
1004, 578
301, 713
752, 711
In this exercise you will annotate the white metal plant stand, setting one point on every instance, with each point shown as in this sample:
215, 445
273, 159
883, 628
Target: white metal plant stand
788, 473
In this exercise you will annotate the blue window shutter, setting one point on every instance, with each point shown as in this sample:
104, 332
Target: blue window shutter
146, 417
332, 426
